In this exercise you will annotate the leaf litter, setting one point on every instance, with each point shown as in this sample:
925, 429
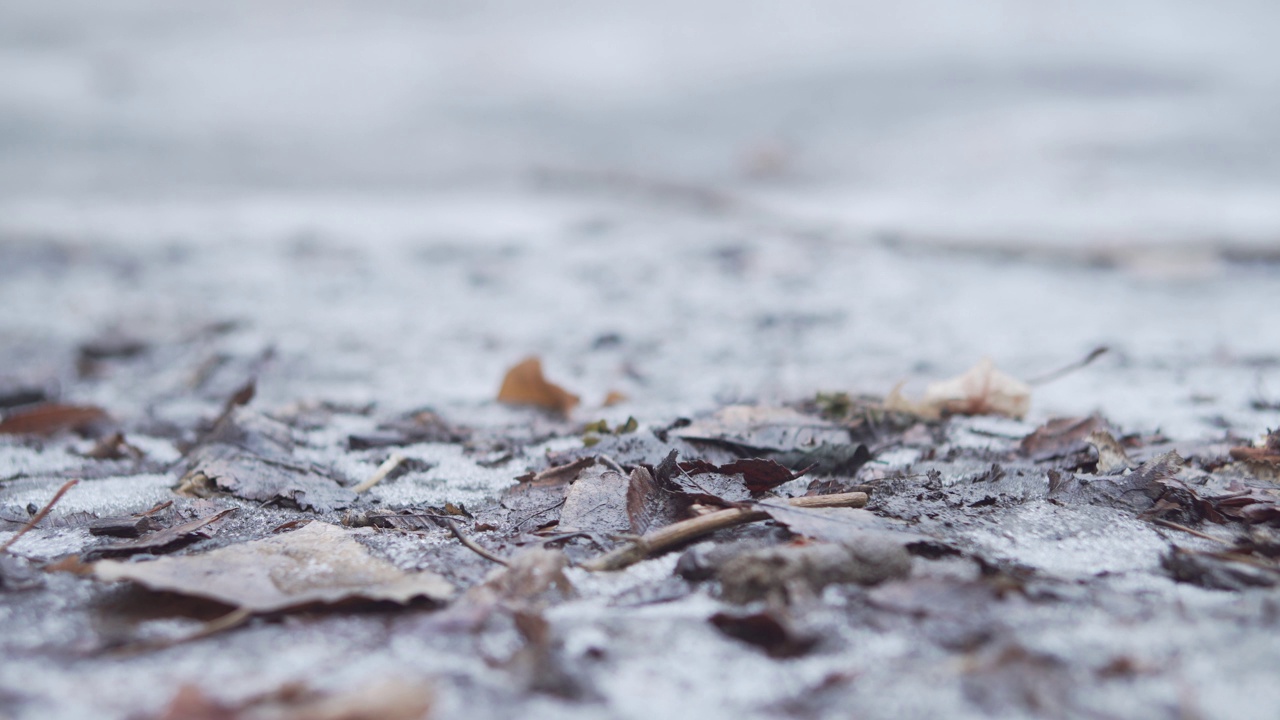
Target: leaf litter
772, 558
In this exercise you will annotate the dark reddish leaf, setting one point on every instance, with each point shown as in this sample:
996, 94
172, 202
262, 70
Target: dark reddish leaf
766, 630
50, 418
760, 474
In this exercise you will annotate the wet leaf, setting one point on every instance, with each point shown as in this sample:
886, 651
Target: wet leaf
525, 384
51, 418
319, 564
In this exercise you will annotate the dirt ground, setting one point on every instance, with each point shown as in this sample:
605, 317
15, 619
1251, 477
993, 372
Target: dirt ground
678, 235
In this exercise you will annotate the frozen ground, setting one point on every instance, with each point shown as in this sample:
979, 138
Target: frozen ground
391, 203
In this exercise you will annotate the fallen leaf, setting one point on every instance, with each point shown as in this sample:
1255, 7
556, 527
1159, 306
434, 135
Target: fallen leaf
386, 700
533, 578
160, 541
1060, 437
114, 447
649, 506
1112, 459
128, 526
769, 630
752, 430
525, 384
1268, 452
1219, 571
596, 502
982, 390
225, 468
319, 564
827, 460
792, 572
423, 426
828, 524
51, 418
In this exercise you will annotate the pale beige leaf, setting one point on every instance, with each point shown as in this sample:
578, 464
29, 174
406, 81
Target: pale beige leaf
316, 564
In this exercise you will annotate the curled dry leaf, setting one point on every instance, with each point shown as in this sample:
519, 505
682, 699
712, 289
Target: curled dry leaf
317, 564
983, 390
525, 384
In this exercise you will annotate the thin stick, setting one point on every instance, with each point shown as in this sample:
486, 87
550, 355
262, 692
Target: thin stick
1067, 370
40, 515
381, 473
1175, 526
677, 534
230, 621
611, 464
470, 544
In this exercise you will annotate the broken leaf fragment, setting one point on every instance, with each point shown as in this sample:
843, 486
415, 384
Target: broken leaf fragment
982, 390
525, 384
319, 564
385, 700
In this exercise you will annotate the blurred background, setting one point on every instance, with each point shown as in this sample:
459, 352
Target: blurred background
727, 199
1144, 119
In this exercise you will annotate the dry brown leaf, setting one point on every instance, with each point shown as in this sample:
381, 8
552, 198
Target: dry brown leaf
525, 384
317, 564
983, 390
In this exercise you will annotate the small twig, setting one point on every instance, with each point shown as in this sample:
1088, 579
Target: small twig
230, 621
385, 469
677, 534
163, 505
40, 515
1175, 526
611, 464
470, 544
1068, 369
